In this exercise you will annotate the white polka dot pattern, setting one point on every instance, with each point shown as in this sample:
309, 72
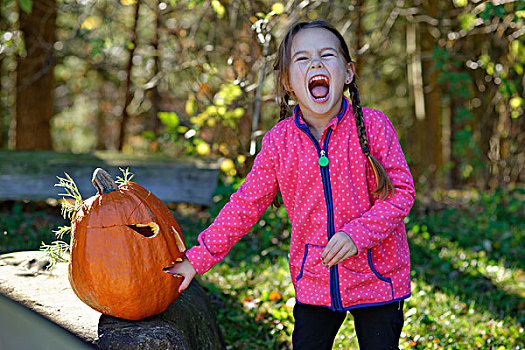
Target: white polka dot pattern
289, 161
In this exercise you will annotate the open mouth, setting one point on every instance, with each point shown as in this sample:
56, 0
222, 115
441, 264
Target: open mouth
319, 87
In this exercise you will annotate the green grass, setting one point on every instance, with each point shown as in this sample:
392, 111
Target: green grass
468, 284
25, 225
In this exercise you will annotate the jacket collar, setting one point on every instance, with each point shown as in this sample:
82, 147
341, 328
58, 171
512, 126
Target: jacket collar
301, 124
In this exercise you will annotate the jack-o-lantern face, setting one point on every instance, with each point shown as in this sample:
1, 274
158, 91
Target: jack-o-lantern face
121, 240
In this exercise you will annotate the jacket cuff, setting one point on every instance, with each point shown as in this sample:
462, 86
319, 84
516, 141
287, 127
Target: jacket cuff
199, 258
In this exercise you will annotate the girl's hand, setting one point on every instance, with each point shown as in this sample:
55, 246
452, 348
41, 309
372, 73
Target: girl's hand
184, 269
339, 248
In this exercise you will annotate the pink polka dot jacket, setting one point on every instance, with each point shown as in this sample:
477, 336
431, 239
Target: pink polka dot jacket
322, 197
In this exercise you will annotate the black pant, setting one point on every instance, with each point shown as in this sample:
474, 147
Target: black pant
376, 327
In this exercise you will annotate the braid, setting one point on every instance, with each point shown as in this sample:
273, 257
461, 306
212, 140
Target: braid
384, 185
284, 106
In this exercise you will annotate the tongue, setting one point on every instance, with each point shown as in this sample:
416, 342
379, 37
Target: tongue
319, 91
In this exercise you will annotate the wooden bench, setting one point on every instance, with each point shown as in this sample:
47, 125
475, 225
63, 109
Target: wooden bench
32, 175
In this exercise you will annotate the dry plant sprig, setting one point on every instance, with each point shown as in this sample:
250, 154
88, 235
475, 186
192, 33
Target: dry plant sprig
71, 191
57, 250
127, 177
62, 230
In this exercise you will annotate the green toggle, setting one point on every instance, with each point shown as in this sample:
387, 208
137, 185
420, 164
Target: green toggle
323, 161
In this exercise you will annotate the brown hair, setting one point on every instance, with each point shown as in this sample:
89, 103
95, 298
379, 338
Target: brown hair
282, 64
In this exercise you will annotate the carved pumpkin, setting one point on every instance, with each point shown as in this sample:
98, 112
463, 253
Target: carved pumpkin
121, 239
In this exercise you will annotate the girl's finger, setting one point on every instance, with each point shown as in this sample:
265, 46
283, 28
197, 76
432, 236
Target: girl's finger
333, 246
341, 256
332, 254
326, 250
335, 259
185, 283
328, 253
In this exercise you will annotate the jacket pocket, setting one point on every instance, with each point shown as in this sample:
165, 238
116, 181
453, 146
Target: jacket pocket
378, 275
311, 264
361, 282
312, 284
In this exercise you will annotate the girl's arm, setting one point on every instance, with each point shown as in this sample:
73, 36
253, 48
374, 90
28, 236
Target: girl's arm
384, 215
239, 215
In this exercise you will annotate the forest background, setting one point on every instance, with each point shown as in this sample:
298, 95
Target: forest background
194, 78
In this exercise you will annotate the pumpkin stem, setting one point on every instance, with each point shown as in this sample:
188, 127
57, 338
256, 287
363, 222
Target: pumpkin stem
103, 182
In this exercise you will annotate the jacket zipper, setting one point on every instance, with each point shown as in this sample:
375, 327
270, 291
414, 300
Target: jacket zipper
325, 176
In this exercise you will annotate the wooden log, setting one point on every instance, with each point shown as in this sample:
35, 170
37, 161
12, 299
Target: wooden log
32, 175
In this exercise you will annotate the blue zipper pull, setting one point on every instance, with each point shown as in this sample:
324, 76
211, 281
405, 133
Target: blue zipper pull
323, 160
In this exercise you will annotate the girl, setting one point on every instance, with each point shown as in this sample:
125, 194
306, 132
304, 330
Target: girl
346, 187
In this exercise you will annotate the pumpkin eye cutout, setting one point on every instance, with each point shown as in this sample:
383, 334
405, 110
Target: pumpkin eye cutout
147, 230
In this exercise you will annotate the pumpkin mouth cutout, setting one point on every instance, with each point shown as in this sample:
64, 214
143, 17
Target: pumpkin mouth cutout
147, 230
167, 268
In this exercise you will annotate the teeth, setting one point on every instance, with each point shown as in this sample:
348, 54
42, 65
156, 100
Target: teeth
317, 78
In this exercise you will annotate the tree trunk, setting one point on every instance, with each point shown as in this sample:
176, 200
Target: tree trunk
100, 122
433, 112
455, 177
155, 95
2, 106
427, 102
34, 79
128, 94
257, 107
359, 36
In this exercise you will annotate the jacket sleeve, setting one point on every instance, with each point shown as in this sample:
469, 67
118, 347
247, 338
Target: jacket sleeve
386, 215
239, 215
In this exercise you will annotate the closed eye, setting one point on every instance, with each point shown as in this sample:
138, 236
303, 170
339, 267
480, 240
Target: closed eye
328, 55
301, 58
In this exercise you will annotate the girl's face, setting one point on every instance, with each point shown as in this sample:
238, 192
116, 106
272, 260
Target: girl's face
317, 73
